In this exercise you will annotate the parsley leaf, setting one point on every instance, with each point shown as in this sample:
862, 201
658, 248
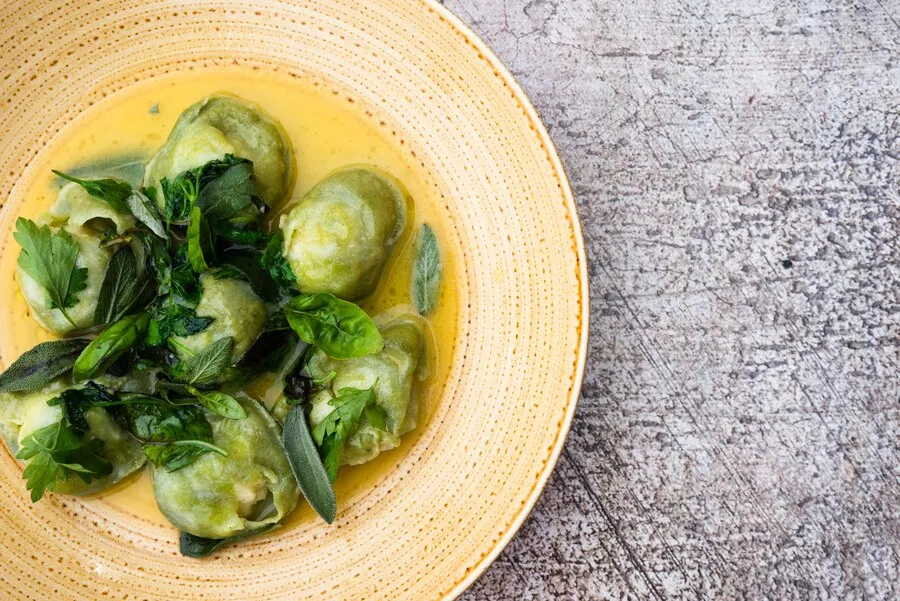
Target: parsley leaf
56, 453
50, 258
332, 433
111, 191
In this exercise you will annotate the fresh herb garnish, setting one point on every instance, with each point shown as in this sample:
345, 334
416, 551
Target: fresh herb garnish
174, 319
275, 264
41, 365
338, 328
199, 242
145, 211
229, 193
183, 192
426, 278
198, 547
51, 259
204, 368
314, 481
219, 403
180, 454
109, 345
55, 453
111, 191
126, 287
332, 433
174, 436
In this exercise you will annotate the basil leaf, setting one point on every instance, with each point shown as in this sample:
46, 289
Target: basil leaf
106, 348
146, 212
180, 454
41, 365
200, 242
204, 368
56, 453
219, 403
112, 192
50, 258
307, 466
198, 547
124, 287
228, 194
338, 328
427, 268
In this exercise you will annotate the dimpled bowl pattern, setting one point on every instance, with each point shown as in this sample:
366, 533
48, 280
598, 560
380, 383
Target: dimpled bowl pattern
432, 525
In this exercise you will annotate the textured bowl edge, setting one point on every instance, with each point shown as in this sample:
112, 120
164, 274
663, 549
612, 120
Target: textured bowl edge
578, 233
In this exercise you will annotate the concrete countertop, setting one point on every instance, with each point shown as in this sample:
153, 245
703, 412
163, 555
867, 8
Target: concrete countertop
737, 171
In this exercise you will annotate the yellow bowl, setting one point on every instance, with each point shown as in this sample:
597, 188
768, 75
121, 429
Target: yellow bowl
432, 525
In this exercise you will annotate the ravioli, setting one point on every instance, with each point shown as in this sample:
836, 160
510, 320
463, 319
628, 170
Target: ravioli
337, 239
220, 497
219, 125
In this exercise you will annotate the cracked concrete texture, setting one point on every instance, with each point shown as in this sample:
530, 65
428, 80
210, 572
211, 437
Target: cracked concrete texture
736, 166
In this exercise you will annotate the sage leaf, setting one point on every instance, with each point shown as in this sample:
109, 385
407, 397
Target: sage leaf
304, 458
111, 191
146, 212
123, 287
219, 403
427, 268
50, 258
108, 346
197, 547
41, 365
338, 328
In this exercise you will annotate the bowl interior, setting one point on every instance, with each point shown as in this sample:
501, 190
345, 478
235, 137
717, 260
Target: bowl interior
427, 527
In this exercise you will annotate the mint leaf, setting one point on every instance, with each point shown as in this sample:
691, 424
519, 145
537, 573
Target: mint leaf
111, 191
228, 194
50, 258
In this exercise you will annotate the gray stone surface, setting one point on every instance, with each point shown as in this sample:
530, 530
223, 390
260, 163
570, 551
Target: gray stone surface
736, 165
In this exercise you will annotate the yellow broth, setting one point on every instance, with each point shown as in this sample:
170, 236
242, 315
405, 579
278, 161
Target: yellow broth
327, 131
